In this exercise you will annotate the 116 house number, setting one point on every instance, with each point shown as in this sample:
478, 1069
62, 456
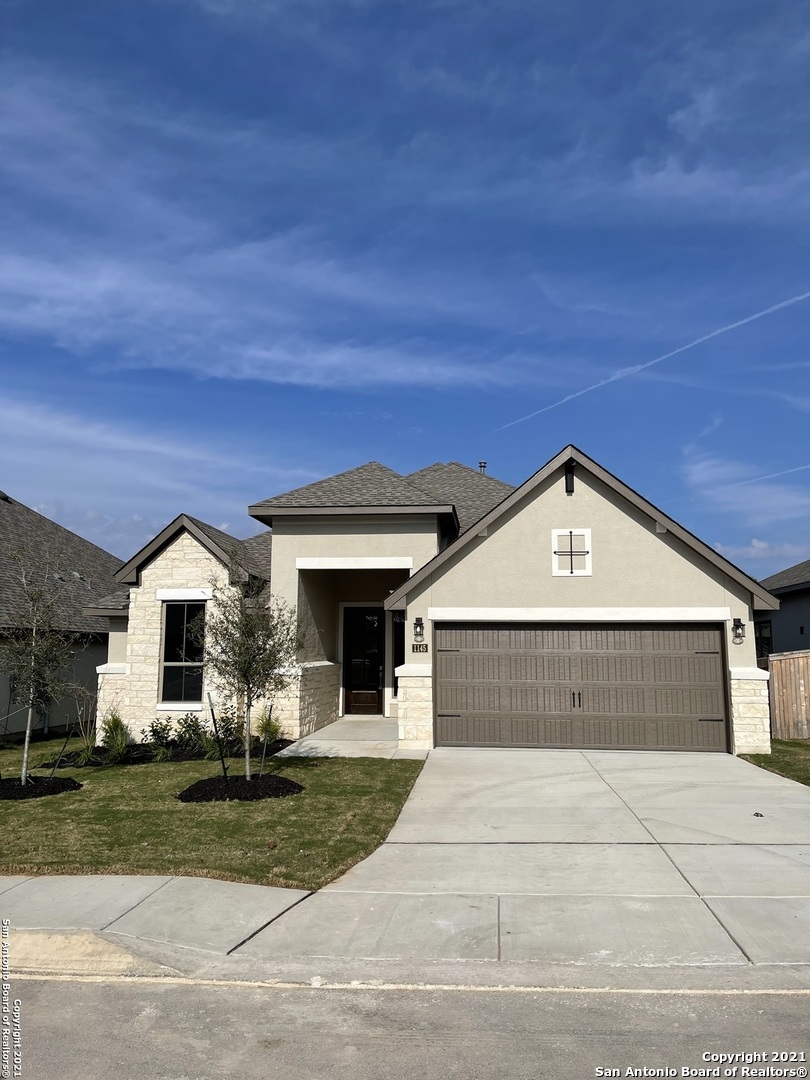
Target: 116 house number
419, 646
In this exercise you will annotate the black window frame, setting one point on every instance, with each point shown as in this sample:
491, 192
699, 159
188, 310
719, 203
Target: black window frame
189, 667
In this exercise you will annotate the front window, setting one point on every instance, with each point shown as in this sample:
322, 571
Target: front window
182, 676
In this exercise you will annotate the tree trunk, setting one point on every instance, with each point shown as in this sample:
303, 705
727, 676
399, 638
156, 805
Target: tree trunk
247, 742
26, 748
29, 724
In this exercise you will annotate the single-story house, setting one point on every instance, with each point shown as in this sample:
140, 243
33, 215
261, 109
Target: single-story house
567, 612
788, 629
76, 571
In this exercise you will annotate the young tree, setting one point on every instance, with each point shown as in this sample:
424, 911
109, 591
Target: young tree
37, 651
251, 640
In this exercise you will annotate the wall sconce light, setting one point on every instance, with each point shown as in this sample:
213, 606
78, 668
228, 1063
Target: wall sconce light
418, 629
737, 631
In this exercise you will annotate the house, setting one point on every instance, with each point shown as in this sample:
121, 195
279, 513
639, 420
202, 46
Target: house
567, 612
788, 629
77, 571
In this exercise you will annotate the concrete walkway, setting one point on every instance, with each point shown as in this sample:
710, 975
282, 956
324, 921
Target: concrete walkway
354, 736
507, 857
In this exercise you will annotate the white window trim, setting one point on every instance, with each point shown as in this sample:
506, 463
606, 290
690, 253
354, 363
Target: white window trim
112, 669
179, 706
555, 544
184, 594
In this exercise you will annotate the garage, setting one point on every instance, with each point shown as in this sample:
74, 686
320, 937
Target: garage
654, 686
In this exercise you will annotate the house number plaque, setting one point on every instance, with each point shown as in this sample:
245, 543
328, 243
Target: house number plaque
419, 646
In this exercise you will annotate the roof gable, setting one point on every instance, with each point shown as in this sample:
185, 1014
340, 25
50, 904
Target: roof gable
250, 559
762, 597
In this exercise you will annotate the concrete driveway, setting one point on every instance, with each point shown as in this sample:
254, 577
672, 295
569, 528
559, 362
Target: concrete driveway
575, 857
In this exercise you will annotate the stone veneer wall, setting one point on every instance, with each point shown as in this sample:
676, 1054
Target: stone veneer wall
415, 711
135, 691
750, 711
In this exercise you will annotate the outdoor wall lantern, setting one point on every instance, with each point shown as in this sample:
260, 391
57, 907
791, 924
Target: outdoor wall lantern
738, 631
418, 629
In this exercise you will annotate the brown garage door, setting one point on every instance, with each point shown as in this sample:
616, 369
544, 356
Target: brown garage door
633, 687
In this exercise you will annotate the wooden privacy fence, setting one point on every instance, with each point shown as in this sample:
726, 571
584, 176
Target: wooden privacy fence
789, 690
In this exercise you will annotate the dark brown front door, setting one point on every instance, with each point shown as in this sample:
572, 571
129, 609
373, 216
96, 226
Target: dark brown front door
363, 659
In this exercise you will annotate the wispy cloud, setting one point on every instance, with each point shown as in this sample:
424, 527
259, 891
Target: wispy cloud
624, 373
759, 550
96, 478
722, 486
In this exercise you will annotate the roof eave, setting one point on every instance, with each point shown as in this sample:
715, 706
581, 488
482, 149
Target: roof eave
265, 513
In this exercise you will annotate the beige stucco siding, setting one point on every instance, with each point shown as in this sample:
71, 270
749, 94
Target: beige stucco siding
411, 537
320, 594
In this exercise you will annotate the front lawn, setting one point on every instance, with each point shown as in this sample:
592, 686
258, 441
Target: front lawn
788, 757
126, 820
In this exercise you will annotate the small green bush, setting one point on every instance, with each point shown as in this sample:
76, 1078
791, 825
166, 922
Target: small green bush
190, 735
161, 732
232, 733
115, 736
268, 727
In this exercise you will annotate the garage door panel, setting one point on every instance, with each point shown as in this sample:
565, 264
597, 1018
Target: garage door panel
581, 685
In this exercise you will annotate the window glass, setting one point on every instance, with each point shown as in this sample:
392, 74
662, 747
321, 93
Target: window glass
182, 678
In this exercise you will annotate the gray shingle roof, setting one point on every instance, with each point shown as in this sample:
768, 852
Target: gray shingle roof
260, 548
116, 600
237, 550
372, 484
87, 571
472, 492
793, 576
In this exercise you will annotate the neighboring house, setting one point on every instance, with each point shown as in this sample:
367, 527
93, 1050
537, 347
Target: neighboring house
84, 572
568, 612
788, 629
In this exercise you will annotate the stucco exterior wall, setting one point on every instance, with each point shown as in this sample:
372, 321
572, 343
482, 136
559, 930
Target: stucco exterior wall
633, 566
62, 713
408, 536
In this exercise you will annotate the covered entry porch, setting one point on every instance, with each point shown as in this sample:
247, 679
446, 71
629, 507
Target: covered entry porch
344, 624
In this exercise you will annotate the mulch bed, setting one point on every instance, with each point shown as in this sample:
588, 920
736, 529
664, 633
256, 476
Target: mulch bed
214, 789
37, 787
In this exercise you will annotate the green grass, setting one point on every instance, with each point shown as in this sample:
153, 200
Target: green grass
788, 757
126, 820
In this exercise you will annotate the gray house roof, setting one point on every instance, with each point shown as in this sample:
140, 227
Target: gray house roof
86, 571
471, 492
452, 491
795, 577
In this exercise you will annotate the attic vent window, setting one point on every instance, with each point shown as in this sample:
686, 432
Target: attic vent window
571, 552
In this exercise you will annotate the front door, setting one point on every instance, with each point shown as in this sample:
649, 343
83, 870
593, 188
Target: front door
363, 660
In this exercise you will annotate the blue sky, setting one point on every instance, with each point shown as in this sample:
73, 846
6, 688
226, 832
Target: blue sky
249, 243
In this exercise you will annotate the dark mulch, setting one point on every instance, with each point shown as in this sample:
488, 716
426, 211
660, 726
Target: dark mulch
37, 787
214, 789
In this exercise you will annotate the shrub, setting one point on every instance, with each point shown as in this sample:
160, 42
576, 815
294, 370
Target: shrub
191, 732
115, 736
232, 733
268, 728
